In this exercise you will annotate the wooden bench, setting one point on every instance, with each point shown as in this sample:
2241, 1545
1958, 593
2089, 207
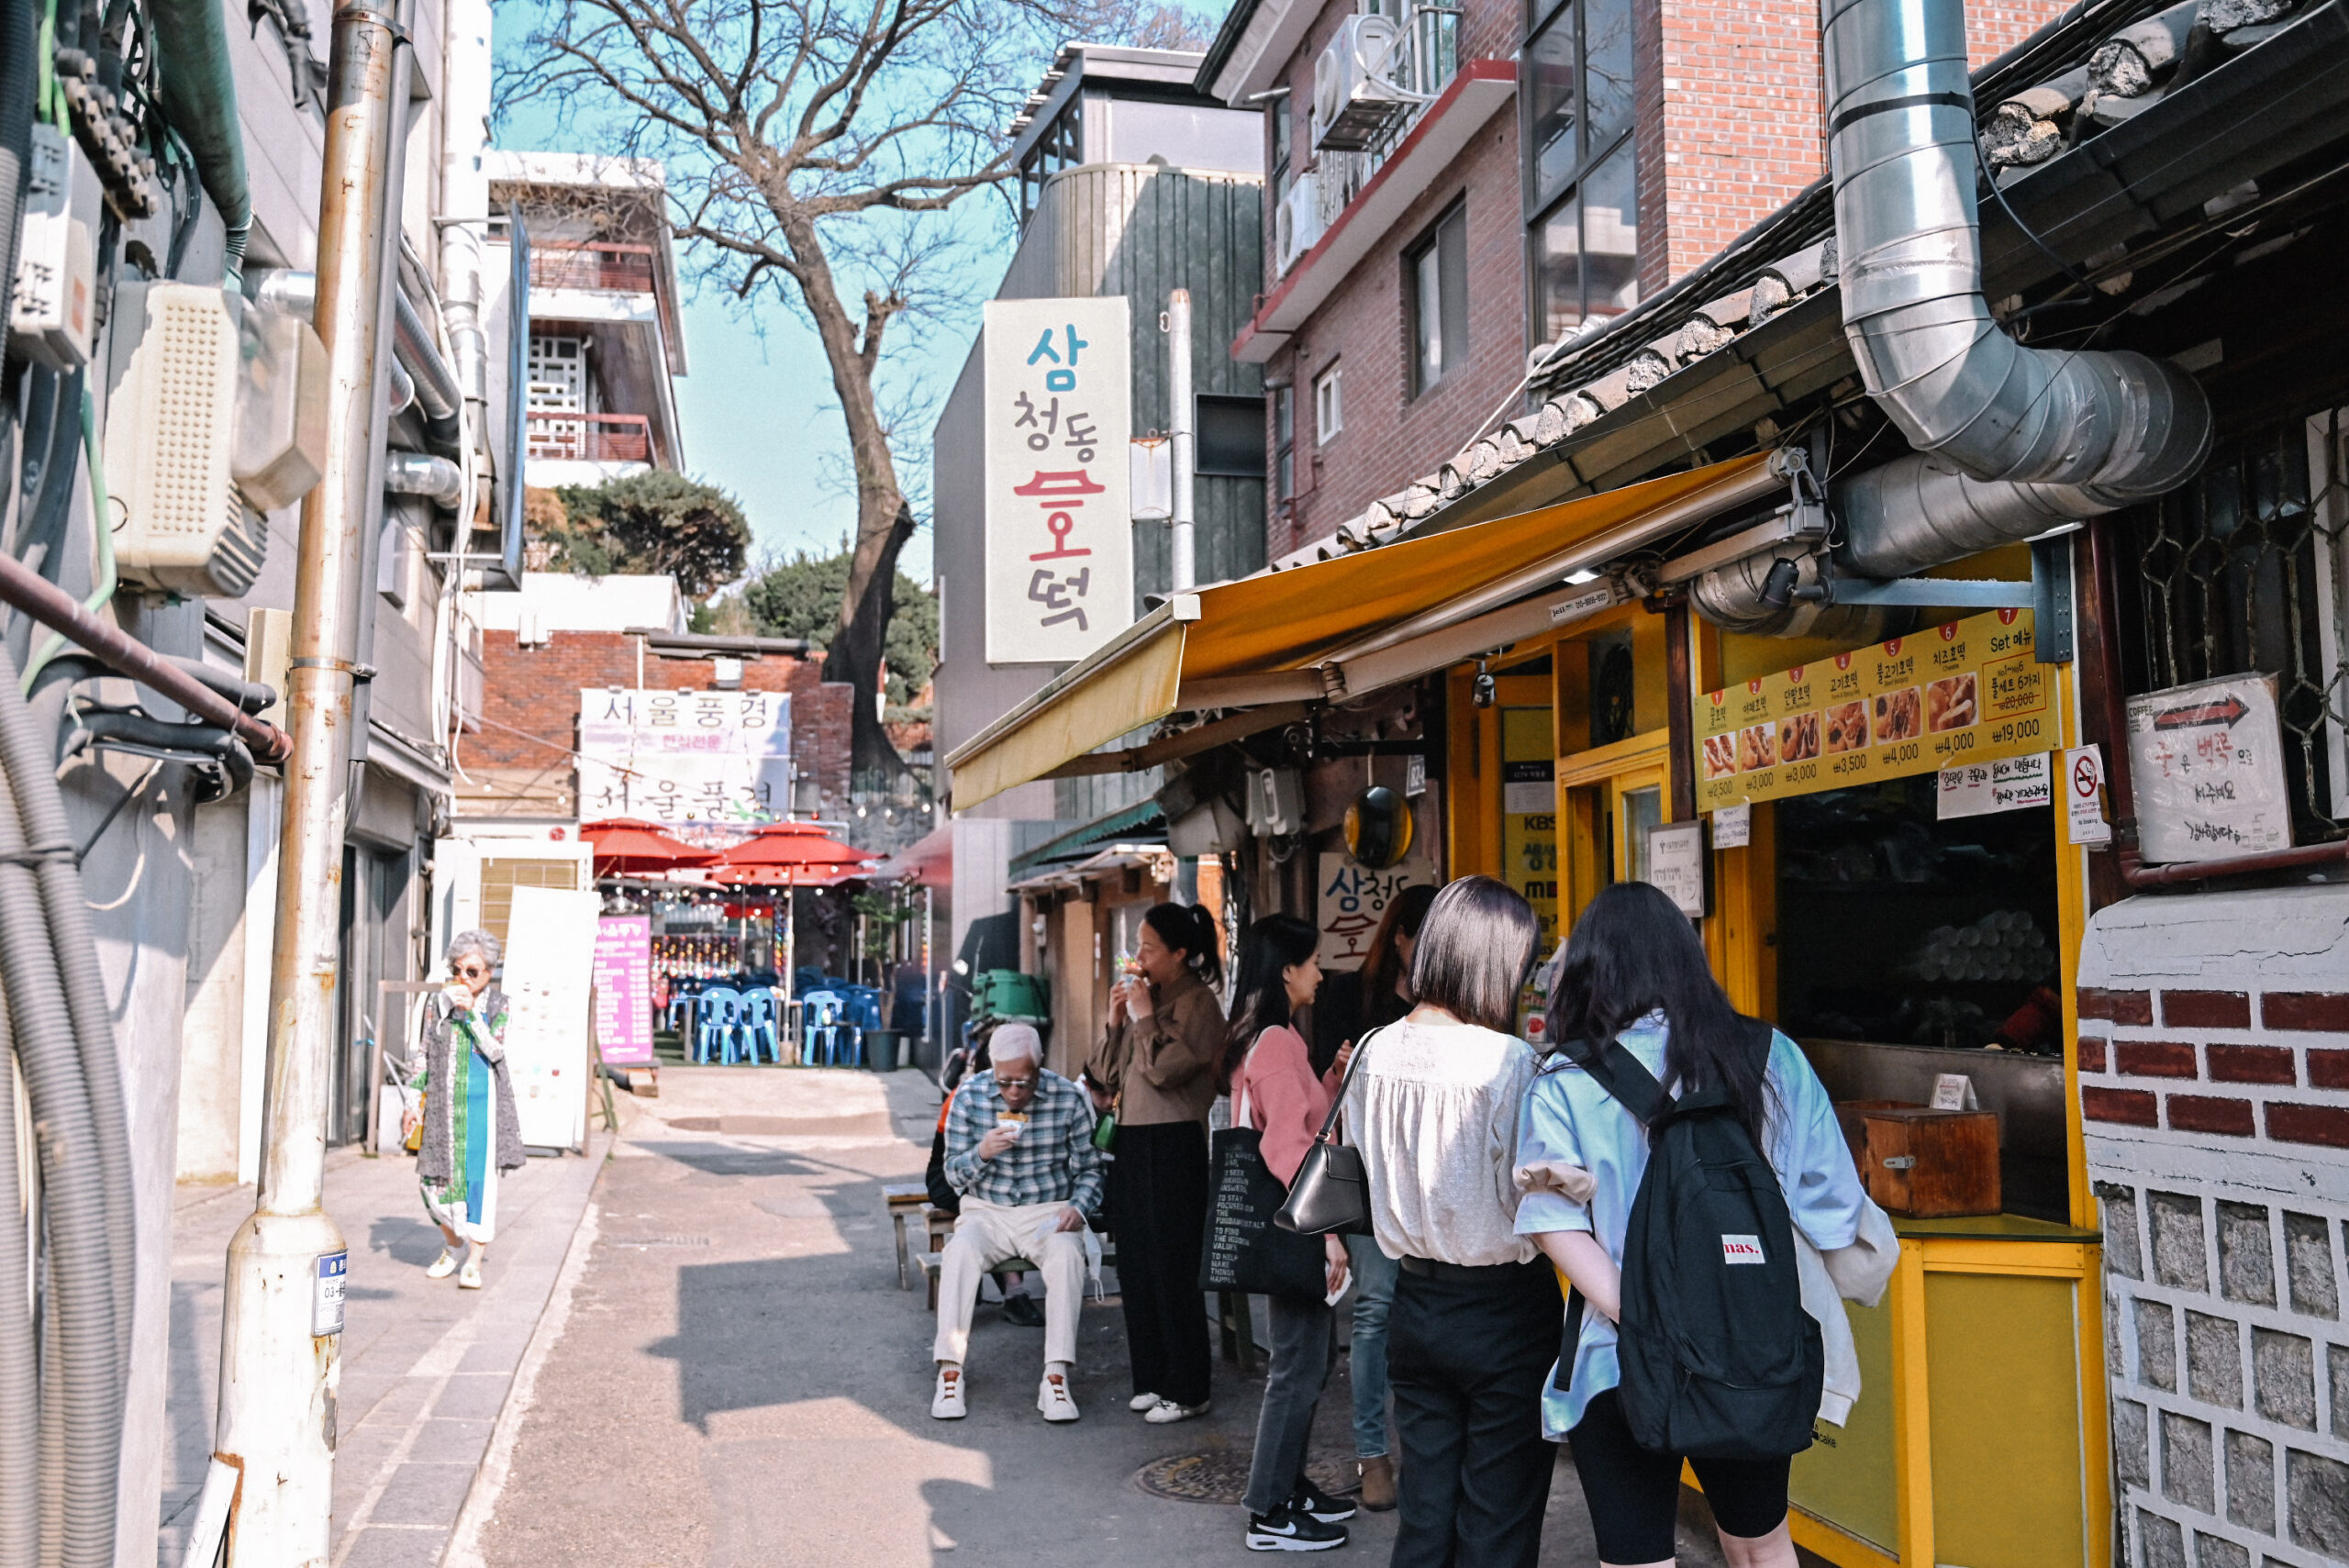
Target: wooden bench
905, 1201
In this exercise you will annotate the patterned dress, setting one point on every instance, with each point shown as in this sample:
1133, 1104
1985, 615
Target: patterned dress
469, 1112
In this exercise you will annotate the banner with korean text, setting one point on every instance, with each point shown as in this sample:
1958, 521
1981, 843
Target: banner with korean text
1059, 536
684, 756
1968, 691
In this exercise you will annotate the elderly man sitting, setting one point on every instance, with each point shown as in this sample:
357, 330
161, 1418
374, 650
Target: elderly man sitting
1020, 1150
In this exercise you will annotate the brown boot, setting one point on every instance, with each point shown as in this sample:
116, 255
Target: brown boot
1378, 1484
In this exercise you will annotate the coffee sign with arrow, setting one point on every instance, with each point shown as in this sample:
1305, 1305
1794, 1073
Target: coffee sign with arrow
2207, 764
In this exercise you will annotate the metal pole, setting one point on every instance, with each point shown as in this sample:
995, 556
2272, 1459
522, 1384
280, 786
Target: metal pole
281, 1345
1184, 576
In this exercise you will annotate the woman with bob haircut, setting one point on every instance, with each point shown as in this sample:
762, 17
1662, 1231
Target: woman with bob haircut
1634, 972
1156, 1067
1434, 1109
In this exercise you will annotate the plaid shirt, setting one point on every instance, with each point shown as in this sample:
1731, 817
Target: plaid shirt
1055, 1161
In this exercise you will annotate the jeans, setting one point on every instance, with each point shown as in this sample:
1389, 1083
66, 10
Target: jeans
1305, 1343
1374, 1293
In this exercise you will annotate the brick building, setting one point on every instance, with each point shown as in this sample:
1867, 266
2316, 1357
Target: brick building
1504, 176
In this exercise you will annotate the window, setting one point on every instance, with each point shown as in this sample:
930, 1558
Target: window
1061, 147
1284, 442
1436, 279
1279, 114
1231, 437
1329, 405
1581, 179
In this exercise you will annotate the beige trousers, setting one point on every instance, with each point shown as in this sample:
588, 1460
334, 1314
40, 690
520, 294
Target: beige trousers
988, 1235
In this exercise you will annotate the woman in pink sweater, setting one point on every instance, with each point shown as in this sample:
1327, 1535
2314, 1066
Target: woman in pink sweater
1273, 1090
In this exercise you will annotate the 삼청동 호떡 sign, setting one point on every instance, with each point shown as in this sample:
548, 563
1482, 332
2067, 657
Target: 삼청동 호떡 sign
1058, 419
1967, 691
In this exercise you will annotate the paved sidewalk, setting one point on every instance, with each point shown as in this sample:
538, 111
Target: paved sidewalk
425, 1367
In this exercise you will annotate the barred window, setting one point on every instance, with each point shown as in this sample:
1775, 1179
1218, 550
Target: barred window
2245, 571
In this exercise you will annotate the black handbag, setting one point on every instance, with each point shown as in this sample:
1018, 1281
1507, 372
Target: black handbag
1331, 1192
1243, 1251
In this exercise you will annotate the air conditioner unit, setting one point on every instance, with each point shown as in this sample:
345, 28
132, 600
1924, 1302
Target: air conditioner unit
1356, 99
1296, 224
171, 441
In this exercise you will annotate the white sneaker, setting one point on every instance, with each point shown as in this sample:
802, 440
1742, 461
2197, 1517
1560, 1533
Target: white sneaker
469, 1277
1053, 1400
1166, 1412
1142, 1403
442, 1266
946, 1405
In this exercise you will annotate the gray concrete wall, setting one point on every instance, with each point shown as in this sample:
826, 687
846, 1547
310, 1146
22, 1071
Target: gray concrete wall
2214, 1053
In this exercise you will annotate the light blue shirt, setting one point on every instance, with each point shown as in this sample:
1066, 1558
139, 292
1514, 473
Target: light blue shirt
1570, 1119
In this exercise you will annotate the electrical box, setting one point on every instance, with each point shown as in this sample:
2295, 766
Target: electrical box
1275, 802
281, 408
50, 318
182, 523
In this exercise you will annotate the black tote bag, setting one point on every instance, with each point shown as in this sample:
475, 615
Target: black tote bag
1245, 1252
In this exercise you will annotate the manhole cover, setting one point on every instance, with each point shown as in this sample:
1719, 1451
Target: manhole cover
659, 1242
1221, 1476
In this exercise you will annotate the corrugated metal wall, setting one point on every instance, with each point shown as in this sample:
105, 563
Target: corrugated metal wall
1142, 230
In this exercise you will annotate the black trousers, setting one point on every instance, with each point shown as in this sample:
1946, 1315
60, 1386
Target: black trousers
1467, 1354
1158, 1206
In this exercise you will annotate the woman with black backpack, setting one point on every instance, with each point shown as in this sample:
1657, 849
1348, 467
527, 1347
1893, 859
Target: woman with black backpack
1688, 1336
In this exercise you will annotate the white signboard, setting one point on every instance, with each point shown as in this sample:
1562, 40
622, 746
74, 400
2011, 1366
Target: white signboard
2207, 766
1676, 864
684, 756
1734, 825
2084, 796
550, 967
1059, 528
1352, 901
2004, 783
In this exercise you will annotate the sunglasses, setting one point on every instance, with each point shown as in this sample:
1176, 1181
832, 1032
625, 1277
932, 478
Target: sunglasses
1026, 1083
470, 970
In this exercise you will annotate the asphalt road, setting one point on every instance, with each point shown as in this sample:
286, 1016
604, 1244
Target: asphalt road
738, 1380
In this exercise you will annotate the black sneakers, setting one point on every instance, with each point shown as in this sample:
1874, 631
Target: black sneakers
1290, 1529
1312, 1500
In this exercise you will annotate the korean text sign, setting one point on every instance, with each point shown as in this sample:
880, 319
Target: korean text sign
1964, 692
624, 988
1059, 532
684, 756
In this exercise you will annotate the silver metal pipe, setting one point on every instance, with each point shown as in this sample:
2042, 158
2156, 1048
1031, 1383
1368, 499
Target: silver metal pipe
2115, 428
436, 385
1182, 547
435, 478
281, 1346
402, 391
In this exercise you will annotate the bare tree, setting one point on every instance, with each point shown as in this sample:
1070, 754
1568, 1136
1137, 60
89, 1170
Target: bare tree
809, 146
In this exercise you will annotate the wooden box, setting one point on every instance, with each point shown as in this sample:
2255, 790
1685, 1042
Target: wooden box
1930, 1164
1852, 1117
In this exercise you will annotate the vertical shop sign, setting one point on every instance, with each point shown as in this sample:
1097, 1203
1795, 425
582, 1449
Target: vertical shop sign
1353, 900
1059, 528
624, 988
1529, 813
2207, 764
684, 756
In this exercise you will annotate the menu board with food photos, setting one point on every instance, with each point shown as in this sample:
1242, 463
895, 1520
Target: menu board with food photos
1964, 692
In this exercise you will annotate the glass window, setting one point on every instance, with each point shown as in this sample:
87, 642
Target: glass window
1585, 249
1554, 138
1231, 436
1278, 114
1329, 405
1284, 442
1438, 281
1605, 68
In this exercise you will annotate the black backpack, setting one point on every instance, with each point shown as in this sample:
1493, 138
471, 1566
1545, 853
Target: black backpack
1719, 1361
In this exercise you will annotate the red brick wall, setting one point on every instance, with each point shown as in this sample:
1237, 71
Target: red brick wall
531, 701
2224, 1065
1738, 102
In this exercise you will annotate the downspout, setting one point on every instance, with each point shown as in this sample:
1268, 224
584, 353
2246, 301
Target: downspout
200, 102
2009, 440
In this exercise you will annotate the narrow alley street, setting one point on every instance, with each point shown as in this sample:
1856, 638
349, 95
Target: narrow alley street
739, 1379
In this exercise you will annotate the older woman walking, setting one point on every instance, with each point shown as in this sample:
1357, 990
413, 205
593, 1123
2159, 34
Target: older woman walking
472, 1131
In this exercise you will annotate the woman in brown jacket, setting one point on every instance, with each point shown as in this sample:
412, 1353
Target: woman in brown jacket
1157, 1062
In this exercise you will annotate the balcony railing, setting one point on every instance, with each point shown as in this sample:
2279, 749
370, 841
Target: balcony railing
567, 434
596, 265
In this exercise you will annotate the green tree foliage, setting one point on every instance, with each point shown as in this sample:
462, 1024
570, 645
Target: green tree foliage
657, 523
801, 597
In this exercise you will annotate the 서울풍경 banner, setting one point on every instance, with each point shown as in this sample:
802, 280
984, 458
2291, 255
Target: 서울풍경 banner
1964, 692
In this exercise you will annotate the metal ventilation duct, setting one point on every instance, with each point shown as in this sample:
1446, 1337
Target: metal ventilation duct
2010, 440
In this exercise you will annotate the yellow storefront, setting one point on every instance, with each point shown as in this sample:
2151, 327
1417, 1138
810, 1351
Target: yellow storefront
1980, 1437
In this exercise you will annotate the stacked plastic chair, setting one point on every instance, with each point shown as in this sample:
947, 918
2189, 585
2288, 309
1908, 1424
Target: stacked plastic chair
758, 1029
826, 1031
717, 1012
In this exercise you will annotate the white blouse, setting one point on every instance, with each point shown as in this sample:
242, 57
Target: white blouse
1434, 1110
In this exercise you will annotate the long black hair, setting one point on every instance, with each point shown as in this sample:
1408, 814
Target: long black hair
1268, 947
1633, 953
1384, 964
1190, 929
1475, 947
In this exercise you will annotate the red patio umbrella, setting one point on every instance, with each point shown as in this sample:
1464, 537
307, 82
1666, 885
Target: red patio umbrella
789, 854
625, 846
